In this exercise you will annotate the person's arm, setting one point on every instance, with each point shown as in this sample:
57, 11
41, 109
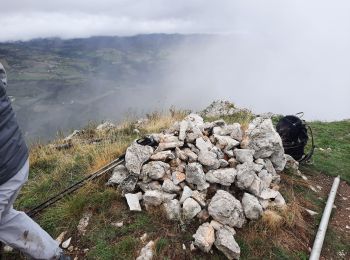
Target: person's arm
3, 76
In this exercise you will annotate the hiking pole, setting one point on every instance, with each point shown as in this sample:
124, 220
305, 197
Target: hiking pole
143, 141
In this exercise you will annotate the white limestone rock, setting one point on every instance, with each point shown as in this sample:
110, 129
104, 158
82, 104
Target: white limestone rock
291, 163
195, 175
170, 187
265, 141
153, 185
222, 176
181, 154
209, 159
155, 169
203, 145
190, 208
219, 153
163, 156
183, 128
226, 209
251, 206
120, 172
255, 187
244, 155
146, 252
172, 209
136, 155
156, 198
169, 145
216, 225
133, 202
268, 193
199, 197
195, 119
279, 201
245, 175
186, 193
223, 163
227, 244
266, 179
191, 156
204, 237
153, 198
225, 142
236, 131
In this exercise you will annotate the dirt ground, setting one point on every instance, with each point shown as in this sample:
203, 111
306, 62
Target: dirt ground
340, 218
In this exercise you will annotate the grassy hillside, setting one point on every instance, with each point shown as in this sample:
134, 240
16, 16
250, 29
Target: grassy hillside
284, 234
332, 155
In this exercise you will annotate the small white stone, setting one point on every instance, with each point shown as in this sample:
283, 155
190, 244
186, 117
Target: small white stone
117, 224
66, 243
144, 237
311, 212
133, 202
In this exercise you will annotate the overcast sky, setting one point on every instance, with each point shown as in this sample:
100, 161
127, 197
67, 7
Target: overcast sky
286, 55
26, 19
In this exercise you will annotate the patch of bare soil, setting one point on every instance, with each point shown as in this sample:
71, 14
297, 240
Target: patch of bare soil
340, 218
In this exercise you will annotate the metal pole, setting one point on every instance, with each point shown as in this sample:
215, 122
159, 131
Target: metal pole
317, 247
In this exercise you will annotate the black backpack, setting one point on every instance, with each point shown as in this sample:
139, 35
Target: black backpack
294, 135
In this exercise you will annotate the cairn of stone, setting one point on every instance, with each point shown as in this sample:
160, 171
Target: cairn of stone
217, 173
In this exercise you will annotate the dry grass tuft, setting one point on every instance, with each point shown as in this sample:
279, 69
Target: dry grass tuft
157, 121
272, 220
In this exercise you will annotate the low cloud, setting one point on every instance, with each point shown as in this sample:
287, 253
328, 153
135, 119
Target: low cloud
293, 20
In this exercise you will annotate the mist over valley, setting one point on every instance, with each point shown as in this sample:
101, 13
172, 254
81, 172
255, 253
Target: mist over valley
61, 85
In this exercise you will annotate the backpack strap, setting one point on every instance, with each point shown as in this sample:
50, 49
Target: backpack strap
308, 156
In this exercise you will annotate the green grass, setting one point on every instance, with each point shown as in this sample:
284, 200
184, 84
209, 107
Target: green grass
336, 136
160, 245
335, 243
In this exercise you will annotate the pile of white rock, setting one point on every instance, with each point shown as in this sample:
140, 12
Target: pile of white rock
221, 108
219, 173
